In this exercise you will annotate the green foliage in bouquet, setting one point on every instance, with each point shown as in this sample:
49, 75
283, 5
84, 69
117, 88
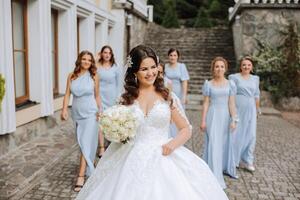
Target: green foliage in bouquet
279, 67
2, 89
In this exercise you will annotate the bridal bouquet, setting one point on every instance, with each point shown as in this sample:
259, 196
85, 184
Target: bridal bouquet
118, 124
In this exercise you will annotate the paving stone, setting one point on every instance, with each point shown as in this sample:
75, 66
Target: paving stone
276, 177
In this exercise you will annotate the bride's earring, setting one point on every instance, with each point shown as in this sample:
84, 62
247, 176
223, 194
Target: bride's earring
135, 78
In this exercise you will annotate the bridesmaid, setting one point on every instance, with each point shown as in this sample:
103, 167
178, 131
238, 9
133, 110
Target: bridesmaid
83, 85
219, 121
110, 76
161, 70
247, 101
178, 74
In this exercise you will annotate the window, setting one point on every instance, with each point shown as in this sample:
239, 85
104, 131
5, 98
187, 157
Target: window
20, 50
54, 50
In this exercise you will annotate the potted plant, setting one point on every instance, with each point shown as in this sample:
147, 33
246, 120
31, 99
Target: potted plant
2, 89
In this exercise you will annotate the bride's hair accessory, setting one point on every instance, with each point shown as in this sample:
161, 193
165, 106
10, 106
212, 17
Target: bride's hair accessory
129, 61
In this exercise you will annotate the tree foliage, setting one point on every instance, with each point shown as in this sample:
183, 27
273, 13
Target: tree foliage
186, 10
170, 19
279, 67
202, 19
190, 11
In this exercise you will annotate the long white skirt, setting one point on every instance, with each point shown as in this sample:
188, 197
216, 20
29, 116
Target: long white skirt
141, 172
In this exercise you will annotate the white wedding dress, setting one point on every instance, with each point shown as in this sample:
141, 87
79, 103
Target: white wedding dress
139, 171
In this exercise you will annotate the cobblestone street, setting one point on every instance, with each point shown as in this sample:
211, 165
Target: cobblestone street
277, 174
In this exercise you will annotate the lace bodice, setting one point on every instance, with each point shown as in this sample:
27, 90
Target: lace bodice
154, 126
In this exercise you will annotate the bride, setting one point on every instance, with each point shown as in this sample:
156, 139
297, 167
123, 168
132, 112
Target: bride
152, 166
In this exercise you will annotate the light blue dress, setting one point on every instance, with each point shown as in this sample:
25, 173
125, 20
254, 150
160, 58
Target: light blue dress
84, 111
176, 75
218, 147
247, 93
167, 81
110, 85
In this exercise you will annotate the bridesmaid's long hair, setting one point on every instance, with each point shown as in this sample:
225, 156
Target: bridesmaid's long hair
137, 55
112, 59
77, 68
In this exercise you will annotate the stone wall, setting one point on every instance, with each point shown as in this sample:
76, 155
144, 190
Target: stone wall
31, 131
290, 104
263, 24
138, 31
268, 23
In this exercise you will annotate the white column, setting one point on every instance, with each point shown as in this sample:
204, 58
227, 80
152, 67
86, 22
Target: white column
67, 44
104, 33
117, 37
150, 13
8, 114
39, 38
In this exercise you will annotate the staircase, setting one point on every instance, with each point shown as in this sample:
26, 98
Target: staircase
197, 48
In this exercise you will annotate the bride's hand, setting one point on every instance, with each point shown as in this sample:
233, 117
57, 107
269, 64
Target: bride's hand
167, 149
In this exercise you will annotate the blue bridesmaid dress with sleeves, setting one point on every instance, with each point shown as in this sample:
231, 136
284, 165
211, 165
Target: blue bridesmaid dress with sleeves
176, 75
247, 93
218, 145
110, 85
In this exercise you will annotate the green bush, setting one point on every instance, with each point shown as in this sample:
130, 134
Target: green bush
189, 22
279, 67
186, 10
170, 19
215, 8
159, 10
202, 19
2, 89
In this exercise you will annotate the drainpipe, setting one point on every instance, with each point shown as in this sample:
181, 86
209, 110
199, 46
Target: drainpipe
129, 22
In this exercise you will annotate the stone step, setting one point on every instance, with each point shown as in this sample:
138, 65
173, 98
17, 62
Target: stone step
193, 107
197, 47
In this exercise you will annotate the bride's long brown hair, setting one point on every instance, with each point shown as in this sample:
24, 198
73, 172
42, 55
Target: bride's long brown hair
137, 55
